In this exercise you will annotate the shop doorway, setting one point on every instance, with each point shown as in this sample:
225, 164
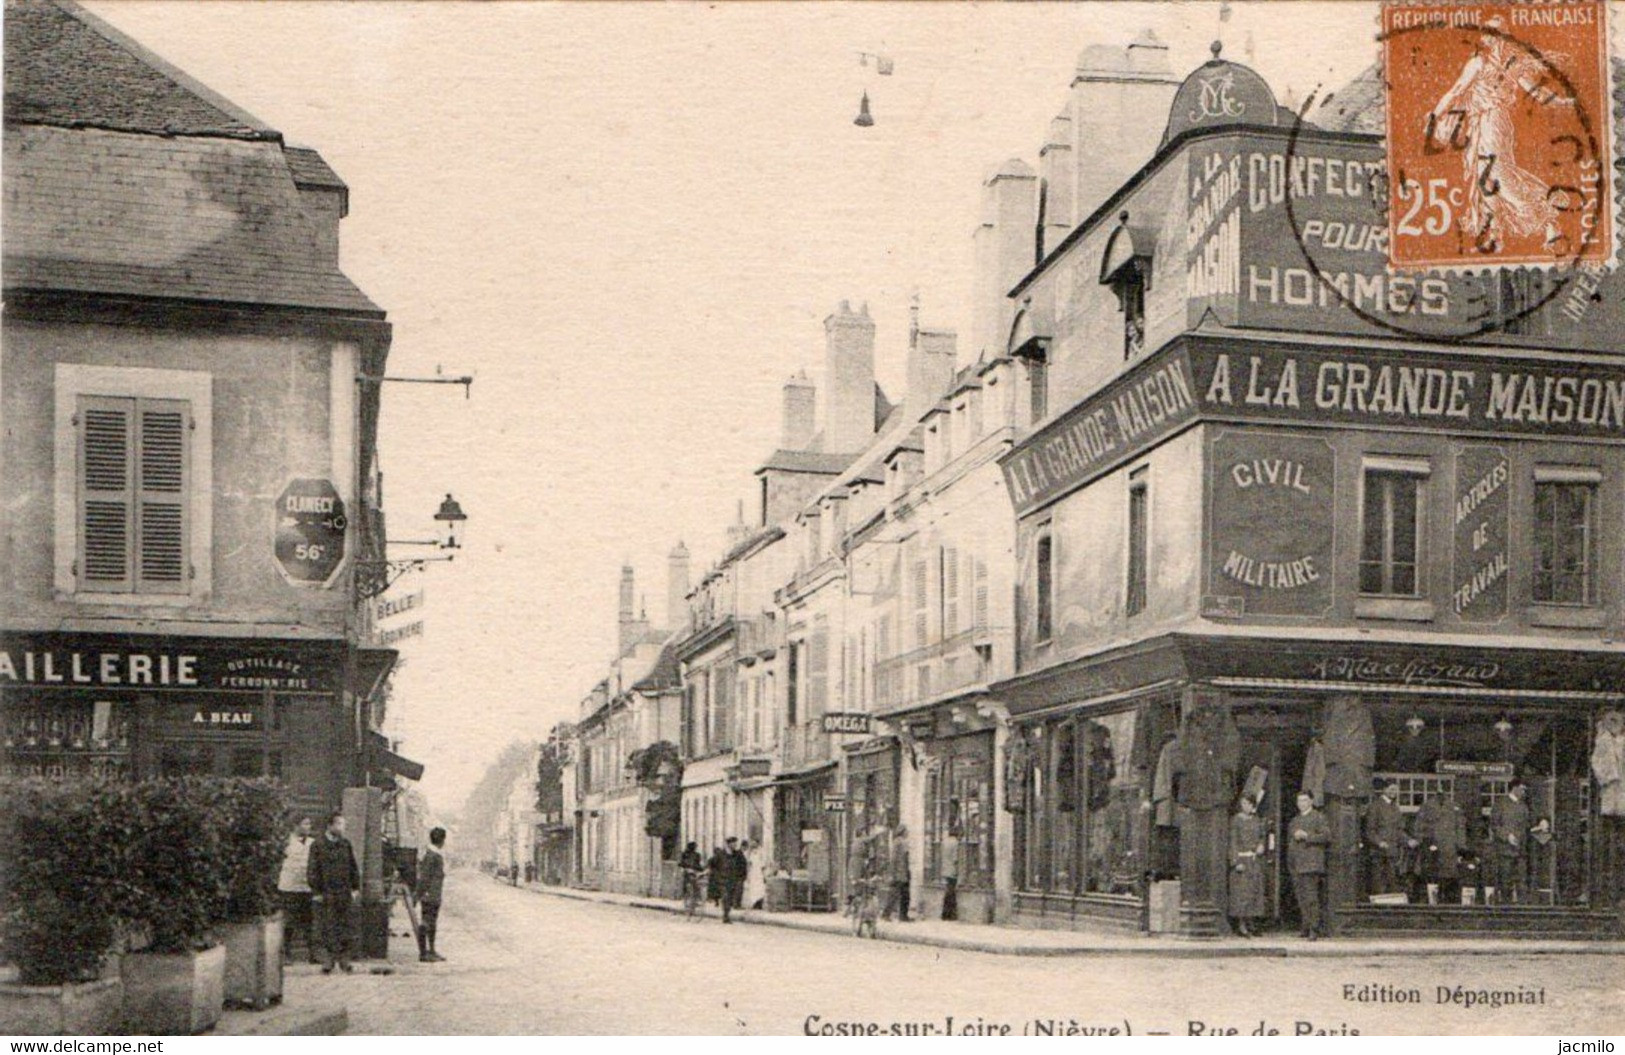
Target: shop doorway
1278, 743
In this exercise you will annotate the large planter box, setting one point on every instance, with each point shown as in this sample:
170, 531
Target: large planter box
85, 1008
174, 993
253, 962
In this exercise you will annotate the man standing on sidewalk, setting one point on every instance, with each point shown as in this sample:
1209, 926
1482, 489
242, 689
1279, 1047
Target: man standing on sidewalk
431, 885
333, 878
732, 876
1307, 838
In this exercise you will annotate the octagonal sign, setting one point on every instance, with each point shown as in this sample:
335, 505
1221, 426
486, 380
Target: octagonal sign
310, 530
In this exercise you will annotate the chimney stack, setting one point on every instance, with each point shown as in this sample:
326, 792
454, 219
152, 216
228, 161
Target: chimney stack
677, 587
1058, 180
628, 616
930, 366
1119, 108
849, 380
799, 416
1005, 248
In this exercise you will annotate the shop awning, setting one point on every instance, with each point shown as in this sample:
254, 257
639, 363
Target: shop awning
806, 773
383, 760
372, 666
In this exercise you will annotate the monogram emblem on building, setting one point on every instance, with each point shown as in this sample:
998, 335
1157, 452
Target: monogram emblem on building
1216, 98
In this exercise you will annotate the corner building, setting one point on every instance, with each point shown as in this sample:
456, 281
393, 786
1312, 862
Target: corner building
1282, 526
181, 352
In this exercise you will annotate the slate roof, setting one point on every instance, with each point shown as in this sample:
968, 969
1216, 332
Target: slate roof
126, 177
807, 462
64, 66
664, 674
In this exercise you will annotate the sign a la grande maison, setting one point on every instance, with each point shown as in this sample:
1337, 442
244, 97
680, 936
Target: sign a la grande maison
1255, 381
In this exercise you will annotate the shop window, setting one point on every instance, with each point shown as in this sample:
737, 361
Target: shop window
1138, 542
959, 800
1391, 529
1564, 536
1043, 587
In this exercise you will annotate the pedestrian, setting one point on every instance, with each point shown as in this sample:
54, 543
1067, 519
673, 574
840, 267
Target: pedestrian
733, 867
1307, 838
1386, 840
897, 898
692, 866
1509, 832
431, 886
713, 877
333, 878
1247, 848
755, 875
294, 889
950, 874
1441, 828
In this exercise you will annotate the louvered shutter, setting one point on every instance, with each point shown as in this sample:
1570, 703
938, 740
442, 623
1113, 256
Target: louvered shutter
979, 619
950, 592
818, 673
161, 471
106, 493
921, 628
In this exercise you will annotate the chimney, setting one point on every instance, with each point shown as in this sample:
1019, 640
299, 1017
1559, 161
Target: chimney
1058, 175
1005, 247
738, 531
935, 350
849, 380
627, 616
1120, 102
677, 587
799, 420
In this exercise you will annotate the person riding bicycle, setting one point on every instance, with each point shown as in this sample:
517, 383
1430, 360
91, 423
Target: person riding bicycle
693, 869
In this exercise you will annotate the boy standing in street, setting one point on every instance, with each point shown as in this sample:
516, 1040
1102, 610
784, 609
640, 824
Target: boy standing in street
430, 887
333, 878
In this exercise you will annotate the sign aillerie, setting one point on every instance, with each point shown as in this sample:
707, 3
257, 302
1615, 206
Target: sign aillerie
113, 662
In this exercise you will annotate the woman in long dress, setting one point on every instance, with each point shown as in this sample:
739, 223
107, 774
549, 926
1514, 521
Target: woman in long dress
1247, 850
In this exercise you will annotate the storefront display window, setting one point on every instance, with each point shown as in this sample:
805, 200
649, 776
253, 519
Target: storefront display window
959, 799
1085, 830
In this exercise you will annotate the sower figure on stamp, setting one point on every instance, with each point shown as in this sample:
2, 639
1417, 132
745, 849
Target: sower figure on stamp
1386, 840
333, 878
1477, 113
430, 888
1307, 838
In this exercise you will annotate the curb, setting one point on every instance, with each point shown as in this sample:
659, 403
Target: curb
1189, 949
282, 1021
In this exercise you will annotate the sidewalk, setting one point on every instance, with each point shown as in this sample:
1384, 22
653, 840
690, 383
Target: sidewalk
1021, 941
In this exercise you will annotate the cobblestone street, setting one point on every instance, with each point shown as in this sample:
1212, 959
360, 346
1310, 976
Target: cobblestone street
523, 962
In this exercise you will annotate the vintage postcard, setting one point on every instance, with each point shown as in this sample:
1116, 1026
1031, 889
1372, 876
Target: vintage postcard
1091, 519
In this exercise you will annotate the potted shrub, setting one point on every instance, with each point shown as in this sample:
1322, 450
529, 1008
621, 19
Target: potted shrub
177, 891
256, 823
58, 859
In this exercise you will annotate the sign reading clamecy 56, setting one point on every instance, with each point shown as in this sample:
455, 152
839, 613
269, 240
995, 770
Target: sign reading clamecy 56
1266, 382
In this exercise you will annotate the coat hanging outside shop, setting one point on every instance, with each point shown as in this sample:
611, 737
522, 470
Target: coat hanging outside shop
1208, 758
1351, 748
1441, 828
1608, 764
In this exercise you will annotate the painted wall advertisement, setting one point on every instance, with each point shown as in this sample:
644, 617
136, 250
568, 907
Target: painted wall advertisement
1480, 511
1270, 543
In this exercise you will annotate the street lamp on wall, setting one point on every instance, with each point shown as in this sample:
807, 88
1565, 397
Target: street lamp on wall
375, 576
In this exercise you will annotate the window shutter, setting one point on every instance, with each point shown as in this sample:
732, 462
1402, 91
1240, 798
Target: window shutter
106, 499
980, 577
921, 629
161, 470
950, 592
817, 673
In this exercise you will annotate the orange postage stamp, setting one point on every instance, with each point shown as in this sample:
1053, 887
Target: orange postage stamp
1500, 137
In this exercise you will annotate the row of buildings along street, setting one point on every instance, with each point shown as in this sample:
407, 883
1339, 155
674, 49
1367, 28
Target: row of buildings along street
1208, 505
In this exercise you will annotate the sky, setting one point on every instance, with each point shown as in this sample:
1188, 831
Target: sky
628, 221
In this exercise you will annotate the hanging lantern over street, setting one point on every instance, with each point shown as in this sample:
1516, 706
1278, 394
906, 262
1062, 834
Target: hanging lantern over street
864, 119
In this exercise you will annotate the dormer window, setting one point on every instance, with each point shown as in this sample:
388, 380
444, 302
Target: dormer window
1126, 268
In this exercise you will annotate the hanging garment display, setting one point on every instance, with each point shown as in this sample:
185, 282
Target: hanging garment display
1209, 756
1314, 772
1017, 772
1351, 747
1608, 764
1162, 785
